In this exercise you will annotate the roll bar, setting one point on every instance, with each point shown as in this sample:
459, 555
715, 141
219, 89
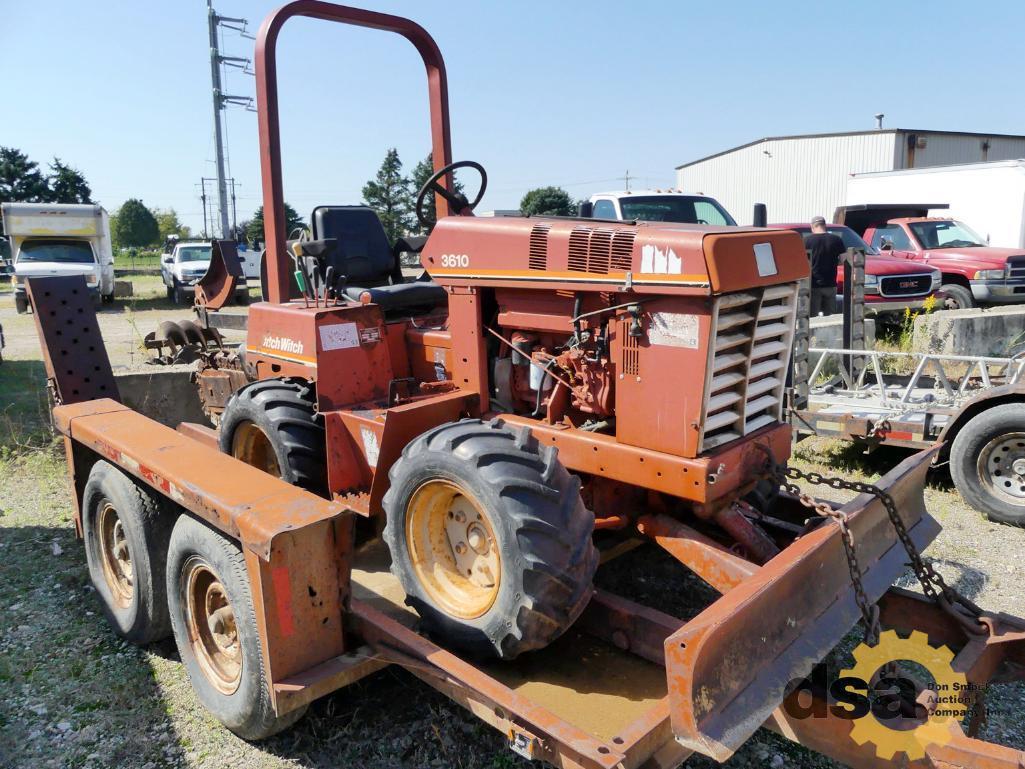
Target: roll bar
267, 115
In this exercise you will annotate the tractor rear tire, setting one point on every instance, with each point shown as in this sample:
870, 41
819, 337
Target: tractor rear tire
987, 463
489, 538
215, 628
274, 425
126, 531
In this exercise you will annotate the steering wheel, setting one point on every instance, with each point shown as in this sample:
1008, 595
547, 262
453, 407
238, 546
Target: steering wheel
457, 200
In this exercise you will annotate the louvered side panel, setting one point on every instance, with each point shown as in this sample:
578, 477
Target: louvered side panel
629, 364
599, 250
578, 247
538, 259
622, 251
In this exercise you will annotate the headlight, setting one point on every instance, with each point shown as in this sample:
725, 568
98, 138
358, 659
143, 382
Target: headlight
871, 281
91, 280
937, 280
989, 275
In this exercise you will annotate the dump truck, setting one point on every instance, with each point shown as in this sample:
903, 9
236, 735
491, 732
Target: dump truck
418, 474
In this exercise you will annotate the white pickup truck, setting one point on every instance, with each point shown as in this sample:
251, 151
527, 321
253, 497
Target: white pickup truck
182, 265
59, 239
657, 206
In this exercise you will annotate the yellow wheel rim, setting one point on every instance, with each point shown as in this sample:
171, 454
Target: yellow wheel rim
252, 446
453, 549
115, 556
213, 633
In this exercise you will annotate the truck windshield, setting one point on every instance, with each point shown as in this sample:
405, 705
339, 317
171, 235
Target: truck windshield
64, 251
850, 238
946, 234
683, 209
194, 254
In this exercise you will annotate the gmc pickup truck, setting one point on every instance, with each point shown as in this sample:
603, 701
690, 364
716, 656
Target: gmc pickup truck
974, 272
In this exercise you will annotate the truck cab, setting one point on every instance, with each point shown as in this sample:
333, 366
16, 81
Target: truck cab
974, 273
657, 206
183, 263
59, 240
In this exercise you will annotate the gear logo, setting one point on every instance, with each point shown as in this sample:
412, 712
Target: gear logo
949, 688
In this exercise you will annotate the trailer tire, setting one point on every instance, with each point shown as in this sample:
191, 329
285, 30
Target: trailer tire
523, 506
987, 463
21, 303
960, 297
273, 424
205, 569
126, 530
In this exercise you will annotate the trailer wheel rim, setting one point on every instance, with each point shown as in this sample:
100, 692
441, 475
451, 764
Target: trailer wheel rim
453, 549
1001, 467
213, 632
251, 445
115, 556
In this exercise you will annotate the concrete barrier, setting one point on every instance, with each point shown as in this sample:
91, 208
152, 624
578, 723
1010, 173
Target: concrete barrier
827, 331
979, 331
163, 393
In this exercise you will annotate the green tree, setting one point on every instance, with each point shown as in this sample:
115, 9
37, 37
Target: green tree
254, 229
67, 184
134, 226
422, 171
388, 194
547, 201
169, 224
21, 181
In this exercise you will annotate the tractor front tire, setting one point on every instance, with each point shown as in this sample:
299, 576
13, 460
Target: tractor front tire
126, 531
489, 538
987, 463
215, 628
274, 426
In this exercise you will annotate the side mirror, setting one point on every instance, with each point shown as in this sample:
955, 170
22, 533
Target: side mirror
586, 209
167, 260
886, 244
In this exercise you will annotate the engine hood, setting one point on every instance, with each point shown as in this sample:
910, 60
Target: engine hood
983, 257
888, 265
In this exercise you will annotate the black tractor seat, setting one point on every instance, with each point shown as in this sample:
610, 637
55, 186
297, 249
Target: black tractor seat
370, 265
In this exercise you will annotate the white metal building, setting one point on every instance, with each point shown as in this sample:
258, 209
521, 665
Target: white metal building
798, 177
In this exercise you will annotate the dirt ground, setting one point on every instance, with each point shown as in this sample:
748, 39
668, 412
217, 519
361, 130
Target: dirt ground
73, 695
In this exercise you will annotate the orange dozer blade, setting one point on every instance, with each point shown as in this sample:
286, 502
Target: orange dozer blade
728, 668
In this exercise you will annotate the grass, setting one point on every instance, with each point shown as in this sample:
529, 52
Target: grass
129, 260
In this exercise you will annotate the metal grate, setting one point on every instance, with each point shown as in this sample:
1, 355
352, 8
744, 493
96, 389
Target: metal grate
748, 355
630, 362
538, 259
600, 250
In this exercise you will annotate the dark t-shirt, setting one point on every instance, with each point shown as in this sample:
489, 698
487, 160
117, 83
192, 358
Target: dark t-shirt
825, 251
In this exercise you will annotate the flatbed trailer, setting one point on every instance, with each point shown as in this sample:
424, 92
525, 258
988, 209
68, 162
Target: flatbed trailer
626, 685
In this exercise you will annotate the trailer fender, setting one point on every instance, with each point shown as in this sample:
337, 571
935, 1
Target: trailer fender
995, 396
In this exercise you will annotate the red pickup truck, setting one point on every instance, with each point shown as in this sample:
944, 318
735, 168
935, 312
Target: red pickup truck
891, 284
974, 272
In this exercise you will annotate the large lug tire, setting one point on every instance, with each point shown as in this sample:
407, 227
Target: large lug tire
489, 538
215, 628
958, 297
21, 303
126, 531
987, 463
274, 425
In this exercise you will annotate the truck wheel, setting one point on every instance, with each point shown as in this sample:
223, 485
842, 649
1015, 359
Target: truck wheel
170, 293
126, 533
489, 537
177, 293
274, 426
215, 628
21, 303
987, 463
108, 299
958, 297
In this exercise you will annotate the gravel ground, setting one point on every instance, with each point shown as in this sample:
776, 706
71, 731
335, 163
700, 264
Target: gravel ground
73, 695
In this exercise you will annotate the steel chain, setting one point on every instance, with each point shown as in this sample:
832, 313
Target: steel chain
933, 585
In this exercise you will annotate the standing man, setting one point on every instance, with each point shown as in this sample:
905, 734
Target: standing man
825, 249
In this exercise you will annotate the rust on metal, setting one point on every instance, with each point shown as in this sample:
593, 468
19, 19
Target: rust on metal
76, 360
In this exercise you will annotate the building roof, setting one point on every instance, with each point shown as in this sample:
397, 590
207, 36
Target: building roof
852, 133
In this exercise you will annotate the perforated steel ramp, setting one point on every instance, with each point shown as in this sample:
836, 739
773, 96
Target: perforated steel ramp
73, 351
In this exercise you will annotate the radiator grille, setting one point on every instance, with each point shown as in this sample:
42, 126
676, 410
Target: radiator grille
600, 249
905, 285
630, 363
1016, 267
538, 259
748, 355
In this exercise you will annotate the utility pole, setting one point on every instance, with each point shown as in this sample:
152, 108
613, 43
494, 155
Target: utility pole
221, 100
202, 195
228, 182
626, 179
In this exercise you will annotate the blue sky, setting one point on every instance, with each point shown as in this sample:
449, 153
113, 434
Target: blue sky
570, 94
